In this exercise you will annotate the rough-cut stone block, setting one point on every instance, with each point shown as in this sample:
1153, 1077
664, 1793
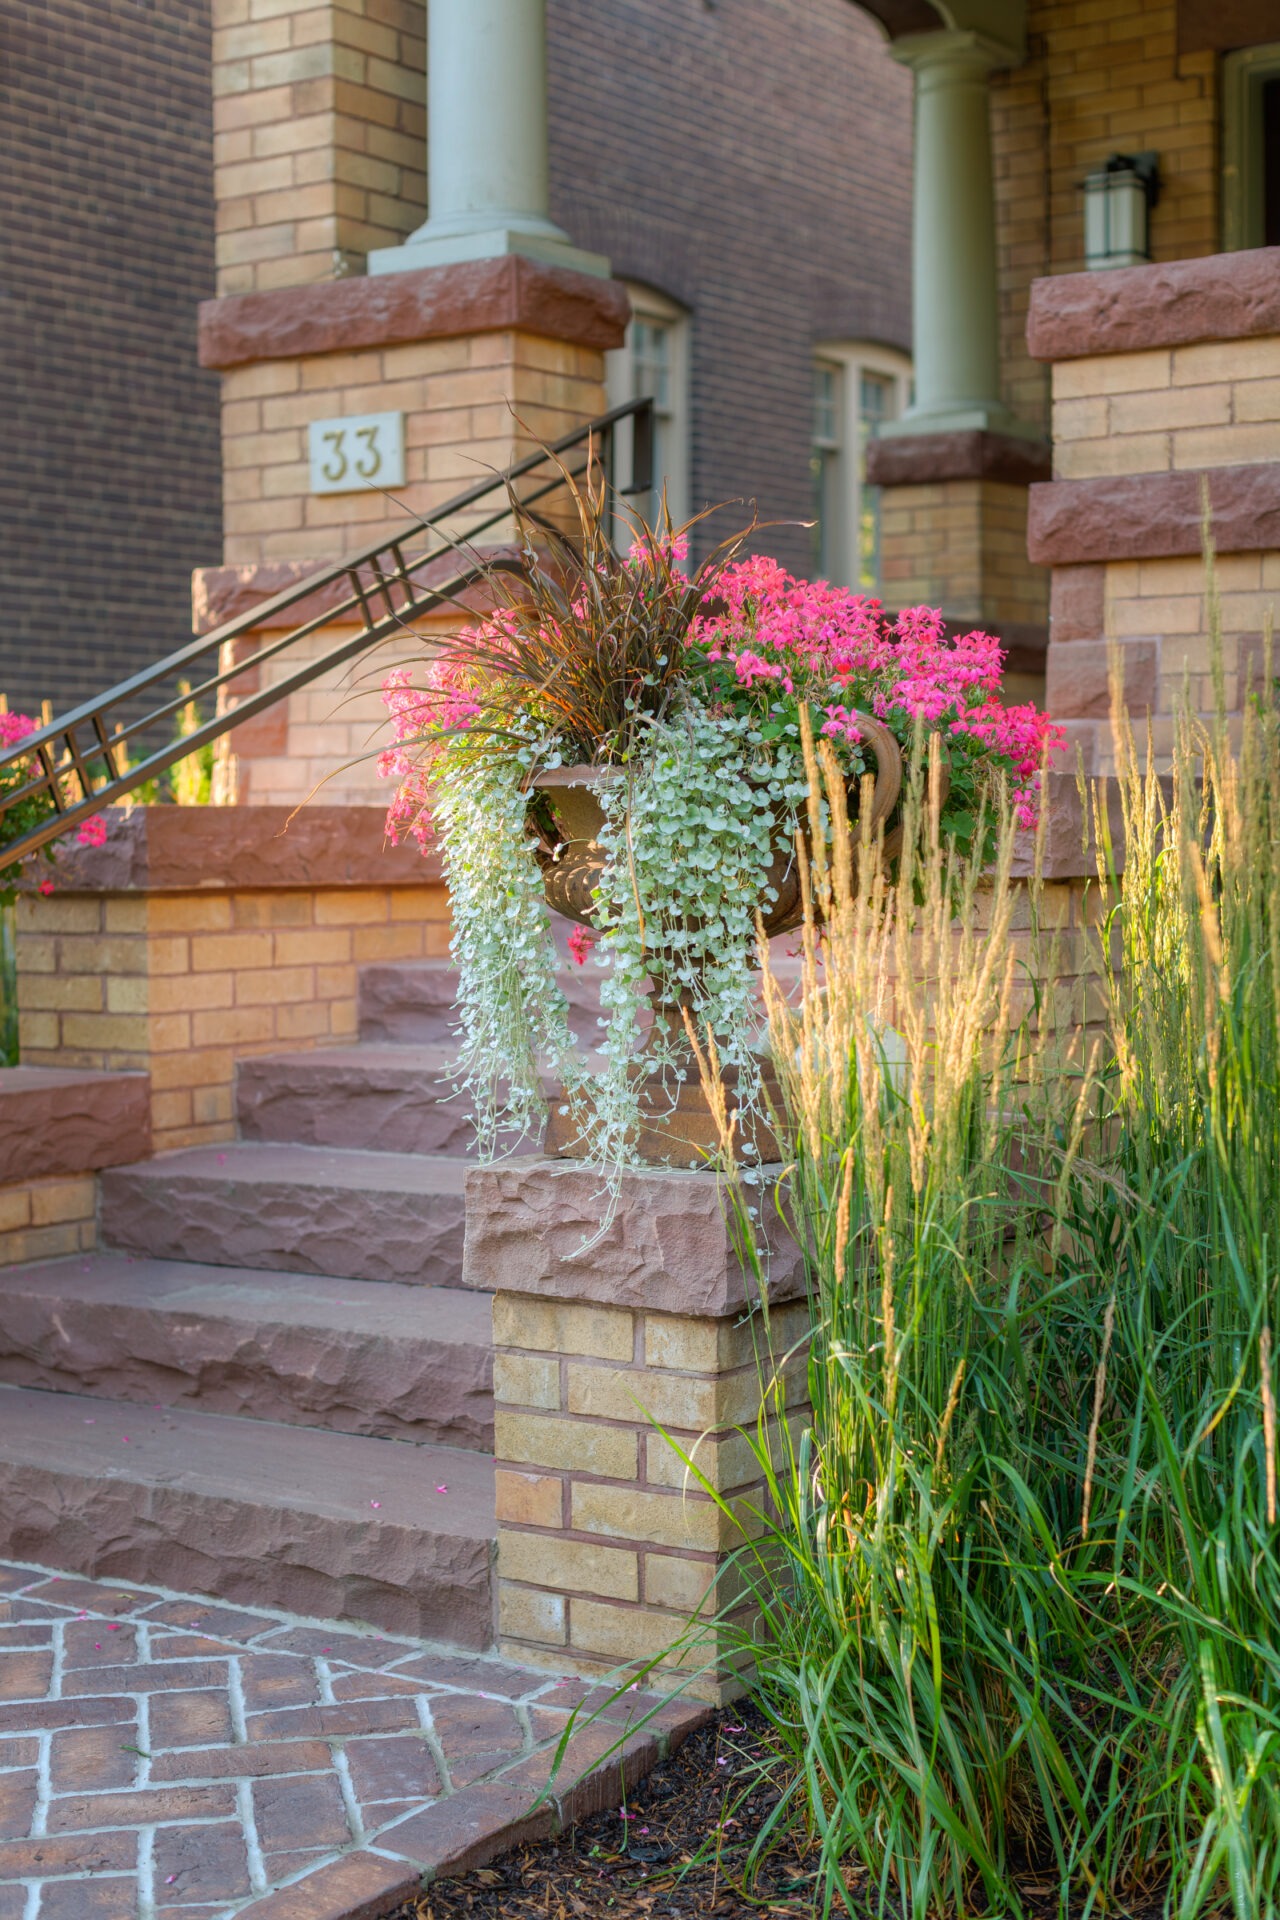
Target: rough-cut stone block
924, 459
425, 303
360, 1216
413, 1003
70, 1120
1227, 296
534, 1226
193, 849
1077, 603
1078, 680
328, 1524
347, 1355
1147, 516
395, 1099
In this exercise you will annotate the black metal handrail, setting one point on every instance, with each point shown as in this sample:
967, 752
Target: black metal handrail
385, 597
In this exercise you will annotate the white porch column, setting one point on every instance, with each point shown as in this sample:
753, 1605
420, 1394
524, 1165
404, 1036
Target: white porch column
955, 307
486, 141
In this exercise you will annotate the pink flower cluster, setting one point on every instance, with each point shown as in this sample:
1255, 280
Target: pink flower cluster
442, 704
14, 727
840, 651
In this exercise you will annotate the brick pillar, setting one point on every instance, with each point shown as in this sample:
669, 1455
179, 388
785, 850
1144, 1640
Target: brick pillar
954, 535
605, 1546
320, 163
1166, 382
481, 361
319, 126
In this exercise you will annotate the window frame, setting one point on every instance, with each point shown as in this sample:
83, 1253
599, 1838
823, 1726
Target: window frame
647, 304
1244, 74
854, 358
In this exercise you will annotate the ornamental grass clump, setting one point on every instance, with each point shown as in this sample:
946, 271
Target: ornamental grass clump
684, 691
1015, 1580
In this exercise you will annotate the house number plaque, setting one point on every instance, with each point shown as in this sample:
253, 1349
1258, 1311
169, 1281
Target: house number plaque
350, 456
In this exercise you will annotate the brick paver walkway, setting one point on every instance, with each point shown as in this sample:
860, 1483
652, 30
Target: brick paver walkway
170, 1758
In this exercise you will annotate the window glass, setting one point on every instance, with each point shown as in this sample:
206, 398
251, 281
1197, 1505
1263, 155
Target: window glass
654, 365
857, 390
651, 360
877, 402
824, 468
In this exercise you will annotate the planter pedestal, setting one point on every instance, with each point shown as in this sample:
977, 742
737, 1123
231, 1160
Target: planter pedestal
605, 1546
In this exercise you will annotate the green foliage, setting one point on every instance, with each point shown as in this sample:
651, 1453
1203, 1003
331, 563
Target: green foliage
1016, 1579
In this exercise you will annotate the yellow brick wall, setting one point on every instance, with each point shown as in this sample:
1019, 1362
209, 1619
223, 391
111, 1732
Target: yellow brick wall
604, 1547
181, 985
319, 113
961, 545
1172, 409
1102, 77
1176, 410
48, 1219
472, 405
323, 740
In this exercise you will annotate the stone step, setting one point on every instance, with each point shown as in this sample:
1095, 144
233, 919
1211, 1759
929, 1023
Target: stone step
337, 1211
382, 1097
411, 1002
329, 1524
351, 1356
68, 1120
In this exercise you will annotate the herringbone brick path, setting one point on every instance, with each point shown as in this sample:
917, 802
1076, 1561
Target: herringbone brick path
170, 1758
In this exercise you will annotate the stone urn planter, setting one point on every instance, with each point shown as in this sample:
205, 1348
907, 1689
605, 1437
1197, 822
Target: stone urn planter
678, 1126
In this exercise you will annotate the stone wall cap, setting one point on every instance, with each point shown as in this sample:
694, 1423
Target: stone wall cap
918, 459
1172, 303
242, 848
533, 1227
71, 1120
511, 294
1152, 516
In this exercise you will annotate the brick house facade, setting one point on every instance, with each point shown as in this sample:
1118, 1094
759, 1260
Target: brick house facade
109, 484
754, 173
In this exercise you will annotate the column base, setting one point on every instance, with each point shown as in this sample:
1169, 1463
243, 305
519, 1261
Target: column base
492, 243
982, 417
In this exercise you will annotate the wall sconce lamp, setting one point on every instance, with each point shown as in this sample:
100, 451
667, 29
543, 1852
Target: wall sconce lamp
1118, 199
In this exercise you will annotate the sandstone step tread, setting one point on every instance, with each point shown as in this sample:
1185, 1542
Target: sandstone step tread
393, 1098
341, 1211
268, 1161
412, 1001
355, 1356
373, 1097
69, 1120
331, 1524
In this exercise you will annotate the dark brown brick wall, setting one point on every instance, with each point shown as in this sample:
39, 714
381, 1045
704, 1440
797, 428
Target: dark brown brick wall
109, 466
749, 158
752, 160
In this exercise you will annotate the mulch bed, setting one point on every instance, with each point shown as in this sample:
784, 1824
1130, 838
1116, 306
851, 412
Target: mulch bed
675, 1852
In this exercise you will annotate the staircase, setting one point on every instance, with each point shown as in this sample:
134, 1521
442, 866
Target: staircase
269, 1384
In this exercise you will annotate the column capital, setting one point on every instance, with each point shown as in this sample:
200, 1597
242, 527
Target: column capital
962, 49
